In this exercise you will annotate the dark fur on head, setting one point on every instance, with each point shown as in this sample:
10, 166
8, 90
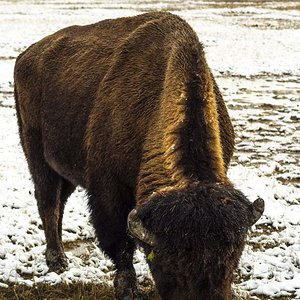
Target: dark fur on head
199, 232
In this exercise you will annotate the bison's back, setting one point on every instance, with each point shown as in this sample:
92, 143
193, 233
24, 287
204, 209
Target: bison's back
98, 88
58, 80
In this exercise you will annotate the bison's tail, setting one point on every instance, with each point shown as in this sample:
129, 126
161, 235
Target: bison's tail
18, 113
189, 107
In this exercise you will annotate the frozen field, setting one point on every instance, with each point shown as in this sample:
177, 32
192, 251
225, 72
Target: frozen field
253, 50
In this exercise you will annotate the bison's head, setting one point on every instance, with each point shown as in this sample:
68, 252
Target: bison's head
193, 239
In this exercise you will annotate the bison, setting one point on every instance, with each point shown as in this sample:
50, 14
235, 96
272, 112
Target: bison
129, 110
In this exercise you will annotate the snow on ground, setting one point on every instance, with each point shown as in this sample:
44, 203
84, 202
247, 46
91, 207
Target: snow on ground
254, 51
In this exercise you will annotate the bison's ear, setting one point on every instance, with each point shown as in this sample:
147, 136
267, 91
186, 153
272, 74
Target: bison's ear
137, 229
258, 207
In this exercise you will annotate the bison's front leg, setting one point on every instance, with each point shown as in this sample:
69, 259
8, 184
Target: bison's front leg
125, 286
125, 279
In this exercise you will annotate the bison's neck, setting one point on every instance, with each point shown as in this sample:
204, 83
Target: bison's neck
183, 143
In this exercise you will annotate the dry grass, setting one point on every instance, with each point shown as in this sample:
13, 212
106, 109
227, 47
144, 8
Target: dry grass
75, 291
80, 291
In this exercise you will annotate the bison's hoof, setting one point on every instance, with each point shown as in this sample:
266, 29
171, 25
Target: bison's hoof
132, 294
56, 261
125, 286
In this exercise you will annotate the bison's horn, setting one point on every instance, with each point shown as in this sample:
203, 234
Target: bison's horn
258, 208
137, 229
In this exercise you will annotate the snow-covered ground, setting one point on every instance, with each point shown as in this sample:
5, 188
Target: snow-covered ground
253, 49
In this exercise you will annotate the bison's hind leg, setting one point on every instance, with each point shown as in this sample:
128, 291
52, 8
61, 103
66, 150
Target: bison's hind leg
55, 256
51, 190
51, 198
51, 193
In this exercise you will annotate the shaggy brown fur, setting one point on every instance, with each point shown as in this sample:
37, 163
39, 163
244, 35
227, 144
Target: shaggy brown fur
126, 108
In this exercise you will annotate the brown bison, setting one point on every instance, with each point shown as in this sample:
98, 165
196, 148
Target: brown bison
129, 110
